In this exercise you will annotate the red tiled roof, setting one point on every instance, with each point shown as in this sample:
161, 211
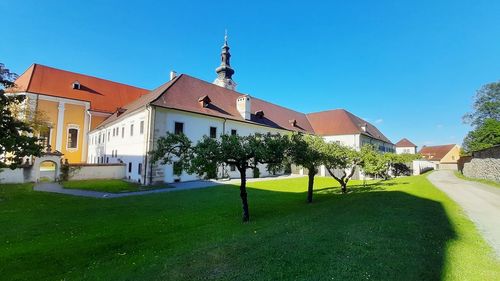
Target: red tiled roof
405, 143
103, 95
342, 122
436, 152
185, 92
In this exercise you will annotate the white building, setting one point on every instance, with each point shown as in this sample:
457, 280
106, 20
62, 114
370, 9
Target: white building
197, 108
404, 146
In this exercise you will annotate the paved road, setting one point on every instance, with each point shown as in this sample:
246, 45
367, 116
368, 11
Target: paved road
481, 202
57, 188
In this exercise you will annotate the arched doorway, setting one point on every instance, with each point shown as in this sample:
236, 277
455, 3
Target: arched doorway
48, 171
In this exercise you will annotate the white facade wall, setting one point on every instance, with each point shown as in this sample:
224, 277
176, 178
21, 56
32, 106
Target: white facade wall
195, 127
406, 150
124, 142
13, 176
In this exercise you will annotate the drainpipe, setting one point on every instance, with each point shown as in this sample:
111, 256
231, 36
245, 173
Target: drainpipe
150, 142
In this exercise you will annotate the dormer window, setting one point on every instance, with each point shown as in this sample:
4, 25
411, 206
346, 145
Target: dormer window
76, 85
259, 114
293, 122
120, 111
204, 101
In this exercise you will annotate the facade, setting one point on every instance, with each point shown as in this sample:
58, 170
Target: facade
404, 146
98, 121
444, 156
197, 108
72, 105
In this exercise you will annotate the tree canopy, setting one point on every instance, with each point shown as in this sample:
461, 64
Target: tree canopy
485, 135
486, 105
16, 135
341, 162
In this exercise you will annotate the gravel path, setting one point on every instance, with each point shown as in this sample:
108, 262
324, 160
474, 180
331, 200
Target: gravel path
57, 188
480, 202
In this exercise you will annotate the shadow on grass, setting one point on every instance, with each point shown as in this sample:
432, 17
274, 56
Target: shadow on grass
374, 235
357, 188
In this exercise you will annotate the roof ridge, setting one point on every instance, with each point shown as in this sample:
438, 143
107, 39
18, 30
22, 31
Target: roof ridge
94, 77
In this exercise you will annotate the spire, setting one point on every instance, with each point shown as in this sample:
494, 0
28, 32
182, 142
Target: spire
224, 71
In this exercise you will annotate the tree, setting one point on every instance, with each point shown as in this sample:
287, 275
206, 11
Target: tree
484, 136
341, 162
486, 105
306, 151
374, 163
244, 152
16, 135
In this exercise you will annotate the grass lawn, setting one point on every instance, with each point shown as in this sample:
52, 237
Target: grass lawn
488, 182
106, 185
403, 229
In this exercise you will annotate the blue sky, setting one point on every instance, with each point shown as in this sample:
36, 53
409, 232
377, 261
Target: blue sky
409, 67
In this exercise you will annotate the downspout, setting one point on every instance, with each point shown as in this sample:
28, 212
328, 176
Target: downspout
88, 134
150, 141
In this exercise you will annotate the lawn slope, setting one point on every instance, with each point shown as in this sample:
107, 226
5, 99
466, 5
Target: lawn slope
402, 229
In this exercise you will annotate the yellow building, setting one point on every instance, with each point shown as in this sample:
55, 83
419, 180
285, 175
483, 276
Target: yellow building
444, 156
73, 104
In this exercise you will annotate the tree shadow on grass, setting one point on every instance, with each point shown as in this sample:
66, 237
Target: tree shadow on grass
357, 188
389, 235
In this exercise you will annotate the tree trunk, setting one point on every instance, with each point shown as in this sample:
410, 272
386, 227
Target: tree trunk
310, 186
344, 187
244, 195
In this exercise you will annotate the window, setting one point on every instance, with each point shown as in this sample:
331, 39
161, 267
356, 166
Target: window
131, 129
141, 127
213, 132
179, 128
130, 167
232, 167
107, 159
234, 132
123, 132
139, 169
72, 138
45, 137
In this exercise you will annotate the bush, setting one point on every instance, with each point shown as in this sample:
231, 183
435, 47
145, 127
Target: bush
256, 173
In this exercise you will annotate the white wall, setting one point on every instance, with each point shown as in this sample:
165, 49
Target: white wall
195, 127
347, 140
13, 176
406, 150
85, 172
127, 148
421, 166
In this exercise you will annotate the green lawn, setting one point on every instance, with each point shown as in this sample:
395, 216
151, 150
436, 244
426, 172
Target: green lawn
105, 185
402, 229
488, 182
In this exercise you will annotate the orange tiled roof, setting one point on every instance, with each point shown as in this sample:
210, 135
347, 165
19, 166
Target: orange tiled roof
342, 122
103, 95
436, 152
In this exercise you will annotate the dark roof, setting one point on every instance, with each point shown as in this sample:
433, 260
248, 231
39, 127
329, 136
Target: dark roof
405, 143
436, 152
103, 95
342, 122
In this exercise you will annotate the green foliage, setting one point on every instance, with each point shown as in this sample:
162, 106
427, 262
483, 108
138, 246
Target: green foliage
173, 148
256, 172
486, 105
306, 151
16, 139
485, 135
341, 161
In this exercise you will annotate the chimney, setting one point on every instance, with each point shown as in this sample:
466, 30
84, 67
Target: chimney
173, 74
363, 127
243, 106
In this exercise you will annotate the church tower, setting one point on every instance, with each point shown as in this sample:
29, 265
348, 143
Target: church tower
224, 71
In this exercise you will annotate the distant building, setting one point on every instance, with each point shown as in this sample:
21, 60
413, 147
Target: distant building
404, 146
444, 156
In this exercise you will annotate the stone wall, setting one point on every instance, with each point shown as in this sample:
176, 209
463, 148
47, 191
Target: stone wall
483, 168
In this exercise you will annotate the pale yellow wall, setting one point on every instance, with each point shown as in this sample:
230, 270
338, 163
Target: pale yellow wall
452, 156
49, 109
73, 115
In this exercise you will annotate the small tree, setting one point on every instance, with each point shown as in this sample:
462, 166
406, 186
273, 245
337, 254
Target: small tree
306, 151
16, 135
244, 152
374, 162
342, 159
